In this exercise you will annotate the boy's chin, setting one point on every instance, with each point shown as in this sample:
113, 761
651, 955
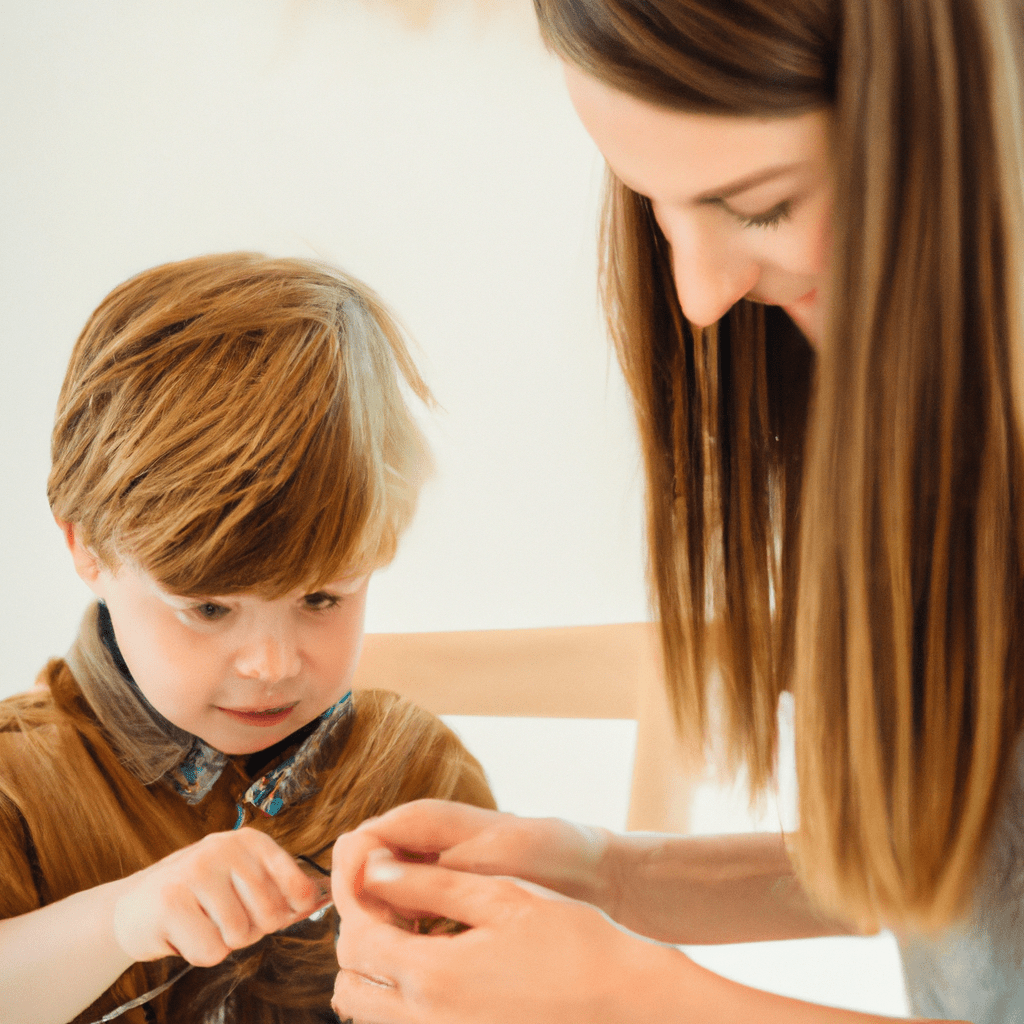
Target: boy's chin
235, 745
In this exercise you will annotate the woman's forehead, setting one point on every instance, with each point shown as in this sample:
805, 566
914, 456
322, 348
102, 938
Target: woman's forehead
682, 157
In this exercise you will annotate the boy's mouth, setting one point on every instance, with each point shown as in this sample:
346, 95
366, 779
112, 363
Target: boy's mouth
261, 716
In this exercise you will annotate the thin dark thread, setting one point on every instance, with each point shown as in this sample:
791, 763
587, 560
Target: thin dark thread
313, 864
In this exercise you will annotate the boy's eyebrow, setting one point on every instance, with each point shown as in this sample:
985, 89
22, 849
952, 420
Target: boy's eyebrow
749, 181
179, 600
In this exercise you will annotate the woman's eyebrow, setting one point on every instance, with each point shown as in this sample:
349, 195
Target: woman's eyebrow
748, 181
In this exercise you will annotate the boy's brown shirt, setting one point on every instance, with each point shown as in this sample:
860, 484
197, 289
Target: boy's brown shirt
73, 816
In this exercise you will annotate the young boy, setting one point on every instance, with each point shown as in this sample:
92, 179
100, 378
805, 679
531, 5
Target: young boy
232, 459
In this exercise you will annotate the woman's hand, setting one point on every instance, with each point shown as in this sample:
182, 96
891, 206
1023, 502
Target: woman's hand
568, 858
222, 893
529, 954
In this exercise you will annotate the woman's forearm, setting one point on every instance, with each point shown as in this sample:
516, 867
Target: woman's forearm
57, 960
670, 987
528, 956
696, 890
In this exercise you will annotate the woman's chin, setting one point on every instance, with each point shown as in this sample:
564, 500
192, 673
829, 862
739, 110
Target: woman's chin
806, 322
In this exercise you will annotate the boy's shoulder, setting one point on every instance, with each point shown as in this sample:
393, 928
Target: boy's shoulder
44, 720
391, 710
414, 750
34, 708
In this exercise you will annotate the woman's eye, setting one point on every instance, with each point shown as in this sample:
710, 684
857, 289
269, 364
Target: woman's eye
321, 601
770, 219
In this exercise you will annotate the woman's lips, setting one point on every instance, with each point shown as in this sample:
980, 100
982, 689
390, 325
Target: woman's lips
270, 716
808, 297
804, 298
800, 309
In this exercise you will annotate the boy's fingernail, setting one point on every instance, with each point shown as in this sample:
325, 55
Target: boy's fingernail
381, 866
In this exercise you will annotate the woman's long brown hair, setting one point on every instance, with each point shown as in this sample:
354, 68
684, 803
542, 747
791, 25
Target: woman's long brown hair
845, 524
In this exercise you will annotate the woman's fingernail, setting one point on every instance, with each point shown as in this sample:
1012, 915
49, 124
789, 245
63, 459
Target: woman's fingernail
381, 866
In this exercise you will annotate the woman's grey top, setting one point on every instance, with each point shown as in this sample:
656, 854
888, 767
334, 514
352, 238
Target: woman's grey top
973, 971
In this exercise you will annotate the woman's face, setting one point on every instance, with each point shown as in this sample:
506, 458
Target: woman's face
744, 202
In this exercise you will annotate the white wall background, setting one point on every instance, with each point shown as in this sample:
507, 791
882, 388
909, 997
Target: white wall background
445, 167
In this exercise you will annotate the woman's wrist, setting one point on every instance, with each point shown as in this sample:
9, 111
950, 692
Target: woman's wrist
656, 983
619, 877
592, 874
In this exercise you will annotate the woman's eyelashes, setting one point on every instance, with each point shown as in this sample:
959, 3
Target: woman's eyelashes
769, 219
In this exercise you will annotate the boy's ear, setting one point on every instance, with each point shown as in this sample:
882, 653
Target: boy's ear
87, 565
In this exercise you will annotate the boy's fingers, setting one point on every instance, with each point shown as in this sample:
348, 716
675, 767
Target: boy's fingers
248, 888
298, 890
261, 896
281, 872
426, 890
222, 905
271, 884
194, 935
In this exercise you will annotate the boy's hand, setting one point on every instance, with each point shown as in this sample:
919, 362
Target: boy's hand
225, 892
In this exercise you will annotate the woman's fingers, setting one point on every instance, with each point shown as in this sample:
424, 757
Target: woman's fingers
347, 862
556, 854
425, 890
564, 955
368, 879
363, 998
463, 837
363, 990
429, 826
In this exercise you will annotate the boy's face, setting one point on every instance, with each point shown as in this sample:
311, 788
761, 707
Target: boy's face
240, 672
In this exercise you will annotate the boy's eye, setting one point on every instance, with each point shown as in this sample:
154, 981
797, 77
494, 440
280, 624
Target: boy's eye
210, 611
321, 601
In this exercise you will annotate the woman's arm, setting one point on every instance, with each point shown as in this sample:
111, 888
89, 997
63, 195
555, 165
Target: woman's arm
698, 890
690, 890
529, 955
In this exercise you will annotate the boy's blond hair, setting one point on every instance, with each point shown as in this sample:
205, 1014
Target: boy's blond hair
235, 423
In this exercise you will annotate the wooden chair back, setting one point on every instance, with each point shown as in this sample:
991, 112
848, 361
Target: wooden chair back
611, 671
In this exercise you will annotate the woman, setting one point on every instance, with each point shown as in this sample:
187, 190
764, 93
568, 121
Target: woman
811, 253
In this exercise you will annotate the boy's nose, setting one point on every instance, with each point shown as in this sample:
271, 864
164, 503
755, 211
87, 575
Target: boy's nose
268, 659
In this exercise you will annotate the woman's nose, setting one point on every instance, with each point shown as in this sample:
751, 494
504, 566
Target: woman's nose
710, 276
268, 658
